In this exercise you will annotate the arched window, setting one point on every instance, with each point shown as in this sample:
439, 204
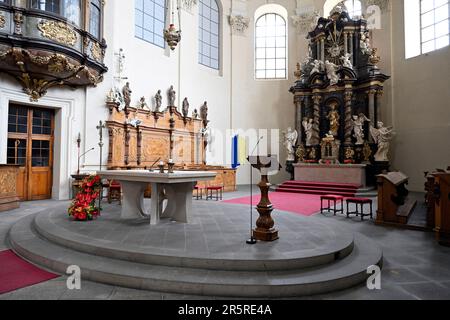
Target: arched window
209, 37
354, 7
150, 19
270, 47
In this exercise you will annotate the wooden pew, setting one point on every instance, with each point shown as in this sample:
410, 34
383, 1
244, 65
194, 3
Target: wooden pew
442, 207
394, 205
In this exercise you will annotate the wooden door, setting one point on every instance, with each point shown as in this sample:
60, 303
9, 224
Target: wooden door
30, 145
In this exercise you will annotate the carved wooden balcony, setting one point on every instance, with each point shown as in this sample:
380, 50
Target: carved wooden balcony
43, 50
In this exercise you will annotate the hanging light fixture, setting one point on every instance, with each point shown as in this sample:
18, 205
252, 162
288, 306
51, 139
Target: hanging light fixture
171, 35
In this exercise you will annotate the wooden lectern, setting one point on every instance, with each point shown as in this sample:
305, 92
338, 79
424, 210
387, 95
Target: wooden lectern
265, 224
442, 207
394, 206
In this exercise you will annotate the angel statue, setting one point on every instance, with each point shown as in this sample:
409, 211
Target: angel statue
334, 118
308, 127
382, 136
358, 128
290, 140
143, 104
332, 72
317, 66
346, 61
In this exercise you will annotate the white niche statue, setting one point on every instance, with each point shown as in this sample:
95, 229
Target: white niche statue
290, 140
382, 136
332, 72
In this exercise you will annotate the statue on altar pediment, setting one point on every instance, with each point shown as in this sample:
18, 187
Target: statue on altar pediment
158, 101
195, 114
334, 118
332, 72
185, 109
290, 140
143, 104
358, 128
382, 136
346, 61
172, 96
204, 111
317, 66
126, 92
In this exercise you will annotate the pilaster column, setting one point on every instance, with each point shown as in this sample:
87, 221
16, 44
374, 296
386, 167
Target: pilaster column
345, 42
371, 94
298, 118
351, 48
322, 49
318, 49
348, 117
378, 105
316, 119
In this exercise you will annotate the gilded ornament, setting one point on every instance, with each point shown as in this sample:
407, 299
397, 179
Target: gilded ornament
58, 31
2, 21
301, 153
349, 153
367, 152
96, 51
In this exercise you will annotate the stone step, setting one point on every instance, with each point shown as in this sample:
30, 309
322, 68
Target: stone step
342, 274
327, 253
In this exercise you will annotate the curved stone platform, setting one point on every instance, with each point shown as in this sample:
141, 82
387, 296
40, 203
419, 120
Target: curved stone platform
208, 256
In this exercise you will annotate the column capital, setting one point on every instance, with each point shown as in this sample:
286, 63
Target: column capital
239, 24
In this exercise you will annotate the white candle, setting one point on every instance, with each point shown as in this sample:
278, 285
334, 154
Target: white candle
170, 161
161, 163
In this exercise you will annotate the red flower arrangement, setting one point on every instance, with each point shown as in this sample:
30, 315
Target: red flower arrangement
83, 208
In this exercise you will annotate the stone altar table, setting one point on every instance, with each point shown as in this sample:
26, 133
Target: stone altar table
178, 188
333, 173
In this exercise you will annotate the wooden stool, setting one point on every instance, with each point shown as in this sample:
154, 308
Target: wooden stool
335, 199
361, 202
199, 190
218, 189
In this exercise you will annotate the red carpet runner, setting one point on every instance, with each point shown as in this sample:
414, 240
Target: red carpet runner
16, 273
304, 204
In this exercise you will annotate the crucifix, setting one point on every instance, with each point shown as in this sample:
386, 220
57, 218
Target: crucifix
100, 128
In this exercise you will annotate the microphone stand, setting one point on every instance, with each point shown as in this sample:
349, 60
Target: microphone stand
252, 240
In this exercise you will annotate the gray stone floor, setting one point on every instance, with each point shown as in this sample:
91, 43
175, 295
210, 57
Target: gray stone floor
415, 266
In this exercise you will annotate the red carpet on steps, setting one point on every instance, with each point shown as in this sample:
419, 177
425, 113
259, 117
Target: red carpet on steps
318, 188
16, 273
304, 204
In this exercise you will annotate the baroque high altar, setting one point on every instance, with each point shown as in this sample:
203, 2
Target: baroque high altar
338, 96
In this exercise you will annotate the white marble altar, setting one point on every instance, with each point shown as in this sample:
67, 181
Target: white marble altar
177, 187
350, 174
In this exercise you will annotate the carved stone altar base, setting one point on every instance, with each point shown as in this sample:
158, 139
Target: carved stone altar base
350, 174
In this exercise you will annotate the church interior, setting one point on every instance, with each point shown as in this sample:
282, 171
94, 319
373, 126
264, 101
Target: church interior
224, 149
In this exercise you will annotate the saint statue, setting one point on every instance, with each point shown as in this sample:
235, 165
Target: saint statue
158, 101
204, 111
334, 118
290, 140
332, 72
308, 127
346, 61
382, 136
317, 66
126, 92
172, 96
185, 108
143, 104
195, 114
358, 128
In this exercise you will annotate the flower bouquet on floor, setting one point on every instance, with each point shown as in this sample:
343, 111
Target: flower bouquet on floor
84, 207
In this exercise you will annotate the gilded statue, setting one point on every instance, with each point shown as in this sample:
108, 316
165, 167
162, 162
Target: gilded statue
334, 117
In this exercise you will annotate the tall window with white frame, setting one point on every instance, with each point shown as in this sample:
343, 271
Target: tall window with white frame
354, 8
209, 34
434, 24
270, 47
150, 18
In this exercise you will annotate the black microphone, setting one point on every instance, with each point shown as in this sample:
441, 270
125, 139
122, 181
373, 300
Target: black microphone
86, 152
257, 144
